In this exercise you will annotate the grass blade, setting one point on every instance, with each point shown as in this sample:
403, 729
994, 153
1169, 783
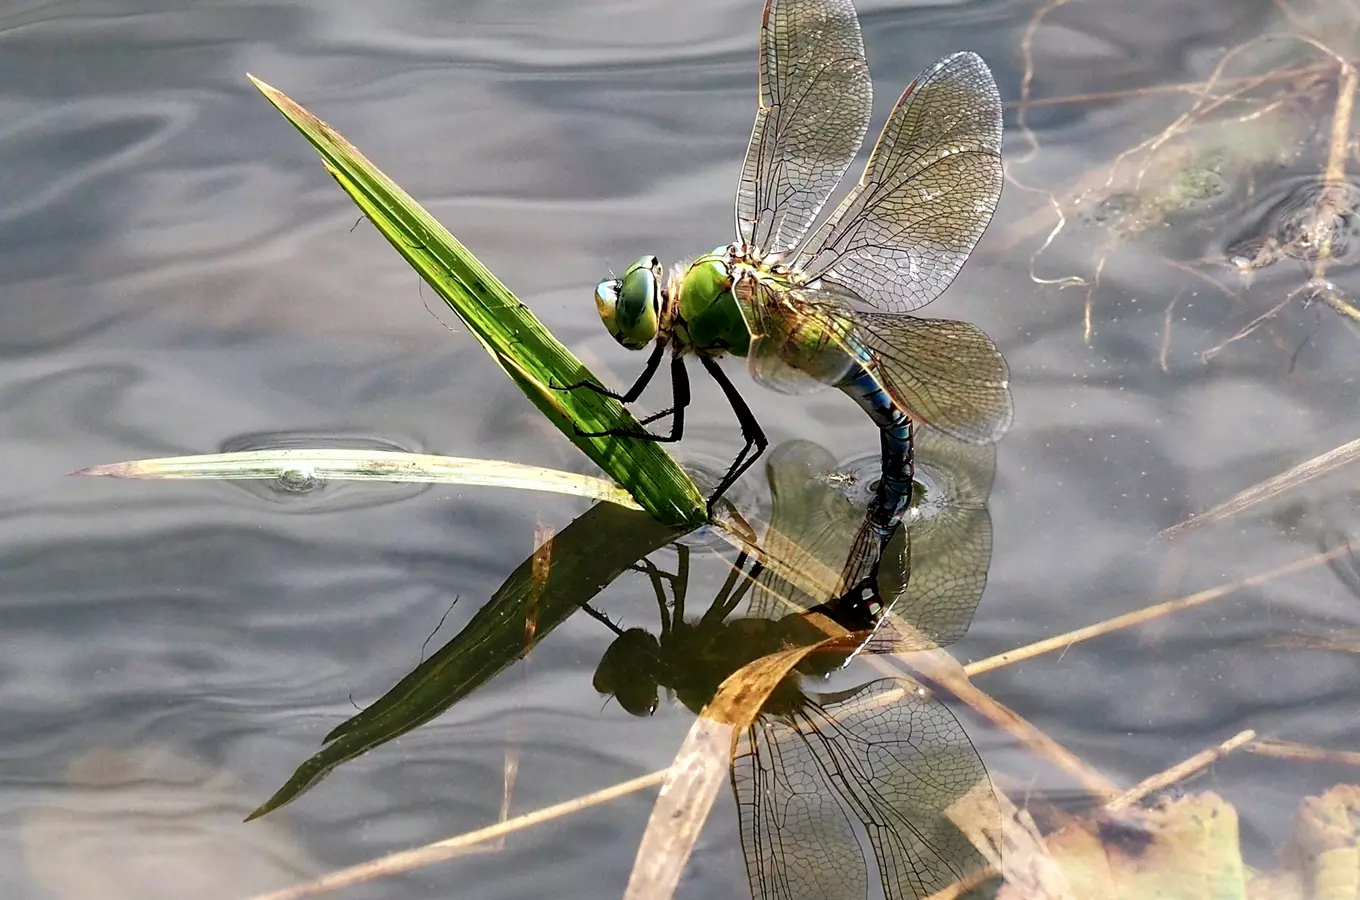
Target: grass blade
504, 326
299, 465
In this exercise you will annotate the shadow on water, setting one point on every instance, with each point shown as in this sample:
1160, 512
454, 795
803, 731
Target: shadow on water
824, 781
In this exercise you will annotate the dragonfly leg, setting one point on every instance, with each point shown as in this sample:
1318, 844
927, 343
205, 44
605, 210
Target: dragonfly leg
680, 399
727, 599
756, 442
654, 416
659, 578
602, 618
634, 392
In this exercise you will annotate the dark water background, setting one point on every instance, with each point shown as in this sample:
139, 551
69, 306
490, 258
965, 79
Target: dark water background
179, 276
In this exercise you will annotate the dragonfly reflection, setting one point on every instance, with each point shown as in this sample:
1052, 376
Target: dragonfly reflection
934, 570
820, 778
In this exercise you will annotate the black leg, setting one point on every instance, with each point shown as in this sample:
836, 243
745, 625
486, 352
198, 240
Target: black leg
656, 577
602, 618
750, 431
654, 416
733, 591
680, 585
719, 609
634, 392
680, 400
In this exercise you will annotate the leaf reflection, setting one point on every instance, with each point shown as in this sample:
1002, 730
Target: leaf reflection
824, 782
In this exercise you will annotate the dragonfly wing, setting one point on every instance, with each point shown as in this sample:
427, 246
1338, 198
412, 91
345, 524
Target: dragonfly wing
811, 527
960, 475
905, 760
927, 193
795, 836
946, 374
800, 337
893, 759
950, 547
815, 100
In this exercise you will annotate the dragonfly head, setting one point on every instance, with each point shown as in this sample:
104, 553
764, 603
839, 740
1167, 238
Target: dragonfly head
630, 305
628, 671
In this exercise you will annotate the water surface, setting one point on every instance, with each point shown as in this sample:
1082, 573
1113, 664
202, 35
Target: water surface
181, 276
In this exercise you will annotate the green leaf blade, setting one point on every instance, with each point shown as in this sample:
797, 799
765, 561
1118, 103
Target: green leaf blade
504, 326
547, 588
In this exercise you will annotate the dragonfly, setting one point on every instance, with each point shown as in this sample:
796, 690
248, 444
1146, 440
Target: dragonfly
827, 782
829, 306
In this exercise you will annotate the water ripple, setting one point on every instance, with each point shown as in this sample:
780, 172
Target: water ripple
301, 491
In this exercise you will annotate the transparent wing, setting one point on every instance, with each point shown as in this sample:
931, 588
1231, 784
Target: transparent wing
927, 193
811, 528
948, 375
815, 100
950, 547
795, 836
892, 759
935, 570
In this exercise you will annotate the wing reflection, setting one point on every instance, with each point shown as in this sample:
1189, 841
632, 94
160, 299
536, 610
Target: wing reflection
821, 778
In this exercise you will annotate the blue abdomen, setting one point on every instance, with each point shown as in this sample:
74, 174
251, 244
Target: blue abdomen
894, 489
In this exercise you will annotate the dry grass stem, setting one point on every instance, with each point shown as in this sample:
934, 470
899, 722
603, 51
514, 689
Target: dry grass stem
700, 767
939, 668
1180, 771
406, 860
1293, 73
511, 773
1338, 147
687, 796
1027, 77
1344, 642
1303, 752
1149, 614
1128, 170
1333, 204
1287, 480
1250, 328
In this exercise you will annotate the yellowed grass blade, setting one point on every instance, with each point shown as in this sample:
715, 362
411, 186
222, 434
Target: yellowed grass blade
297, 466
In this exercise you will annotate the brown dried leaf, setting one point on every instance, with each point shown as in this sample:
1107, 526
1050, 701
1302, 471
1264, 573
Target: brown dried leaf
701, 766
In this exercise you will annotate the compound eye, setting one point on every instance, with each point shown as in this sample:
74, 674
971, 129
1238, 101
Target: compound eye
607, 298
607, 304
639, 304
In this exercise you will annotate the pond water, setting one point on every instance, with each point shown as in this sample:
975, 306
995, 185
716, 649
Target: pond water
181, 276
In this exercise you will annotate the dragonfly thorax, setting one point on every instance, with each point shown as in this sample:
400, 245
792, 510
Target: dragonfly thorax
703, 315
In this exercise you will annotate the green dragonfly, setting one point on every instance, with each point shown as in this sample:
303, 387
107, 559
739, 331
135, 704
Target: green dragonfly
828, 306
